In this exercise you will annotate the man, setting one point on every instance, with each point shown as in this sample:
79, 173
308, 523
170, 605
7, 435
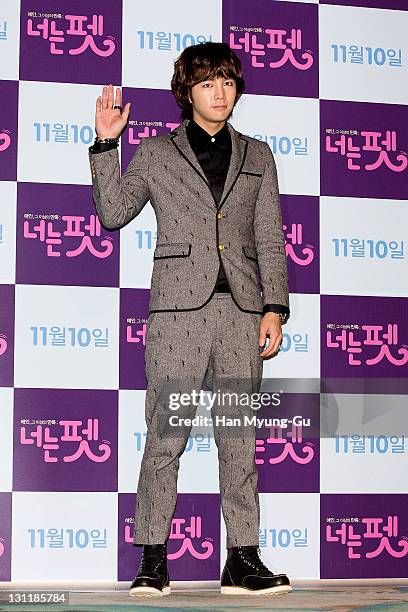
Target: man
216, 199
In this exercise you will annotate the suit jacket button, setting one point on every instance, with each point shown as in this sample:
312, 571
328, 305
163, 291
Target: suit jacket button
220, 215
221, 247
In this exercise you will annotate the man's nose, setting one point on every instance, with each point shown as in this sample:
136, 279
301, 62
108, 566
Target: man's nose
219, 91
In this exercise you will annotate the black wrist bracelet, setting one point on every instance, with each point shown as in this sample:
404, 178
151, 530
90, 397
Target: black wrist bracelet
107, 140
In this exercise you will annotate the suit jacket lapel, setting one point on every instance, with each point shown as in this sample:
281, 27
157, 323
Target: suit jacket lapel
180, 140
238, 154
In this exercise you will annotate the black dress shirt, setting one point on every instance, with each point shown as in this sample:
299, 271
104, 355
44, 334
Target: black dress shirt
213, 154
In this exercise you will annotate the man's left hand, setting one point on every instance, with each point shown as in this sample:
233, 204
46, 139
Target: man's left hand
271, 325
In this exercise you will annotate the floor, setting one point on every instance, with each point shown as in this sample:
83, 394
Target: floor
311, 597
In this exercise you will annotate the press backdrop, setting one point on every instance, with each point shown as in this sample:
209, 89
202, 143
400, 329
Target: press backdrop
327, 88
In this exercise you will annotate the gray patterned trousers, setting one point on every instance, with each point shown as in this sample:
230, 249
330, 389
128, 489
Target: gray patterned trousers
216, 345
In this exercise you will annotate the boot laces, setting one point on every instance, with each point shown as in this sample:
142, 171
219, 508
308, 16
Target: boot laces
152, 558
251, 557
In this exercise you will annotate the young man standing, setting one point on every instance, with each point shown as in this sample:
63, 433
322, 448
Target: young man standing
215, 194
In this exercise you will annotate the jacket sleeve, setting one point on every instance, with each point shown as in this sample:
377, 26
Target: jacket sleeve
270, 239
118, 199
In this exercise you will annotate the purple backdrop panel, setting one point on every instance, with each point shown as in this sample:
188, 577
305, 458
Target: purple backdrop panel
154, 113
79, 44
193, 549
6, 335
363, 149
277, 43
288, 459
5, 536
68, 438
363, 536
194, 542
400, 5
364, 343
8, 130
301, 226
60, 240
134, 309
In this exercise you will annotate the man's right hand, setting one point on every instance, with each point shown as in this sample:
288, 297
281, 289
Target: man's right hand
109, 121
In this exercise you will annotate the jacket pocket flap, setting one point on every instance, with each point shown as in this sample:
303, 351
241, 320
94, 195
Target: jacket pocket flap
251, 173
250, 252
172, 249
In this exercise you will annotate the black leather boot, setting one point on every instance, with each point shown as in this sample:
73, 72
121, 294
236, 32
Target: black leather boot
244, 573
153, 577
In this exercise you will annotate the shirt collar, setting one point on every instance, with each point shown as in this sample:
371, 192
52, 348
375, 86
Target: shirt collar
201, 138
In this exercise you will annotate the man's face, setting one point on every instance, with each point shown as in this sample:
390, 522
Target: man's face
213, 100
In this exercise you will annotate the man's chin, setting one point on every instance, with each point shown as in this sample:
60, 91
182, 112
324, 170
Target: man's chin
219, 115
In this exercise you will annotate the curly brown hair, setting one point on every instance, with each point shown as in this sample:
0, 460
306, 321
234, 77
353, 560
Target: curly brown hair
200, 62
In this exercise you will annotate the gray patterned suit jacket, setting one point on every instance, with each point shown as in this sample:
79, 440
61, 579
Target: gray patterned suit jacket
193, 233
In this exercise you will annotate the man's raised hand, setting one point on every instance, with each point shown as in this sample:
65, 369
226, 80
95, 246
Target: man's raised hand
109, 121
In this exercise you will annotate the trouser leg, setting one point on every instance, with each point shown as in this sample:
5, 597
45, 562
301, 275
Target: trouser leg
176, 357
236, 366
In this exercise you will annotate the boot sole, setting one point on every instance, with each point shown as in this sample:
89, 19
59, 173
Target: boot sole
236, 590
149, 591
